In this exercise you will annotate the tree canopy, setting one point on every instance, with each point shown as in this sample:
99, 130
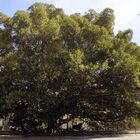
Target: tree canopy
52, 65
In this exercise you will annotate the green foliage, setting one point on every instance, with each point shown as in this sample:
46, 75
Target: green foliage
56, 65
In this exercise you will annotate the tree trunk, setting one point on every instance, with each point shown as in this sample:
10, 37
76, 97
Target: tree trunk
52, 126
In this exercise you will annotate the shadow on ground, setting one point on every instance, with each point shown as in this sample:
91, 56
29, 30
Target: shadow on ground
60, 137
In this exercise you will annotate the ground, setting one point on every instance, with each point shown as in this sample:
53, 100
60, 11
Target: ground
122, 137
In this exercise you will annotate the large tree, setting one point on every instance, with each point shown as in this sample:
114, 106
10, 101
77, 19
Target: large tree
52, 65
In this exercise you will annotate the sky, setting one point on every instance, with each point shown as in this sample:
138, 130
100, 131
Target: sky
127, 12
